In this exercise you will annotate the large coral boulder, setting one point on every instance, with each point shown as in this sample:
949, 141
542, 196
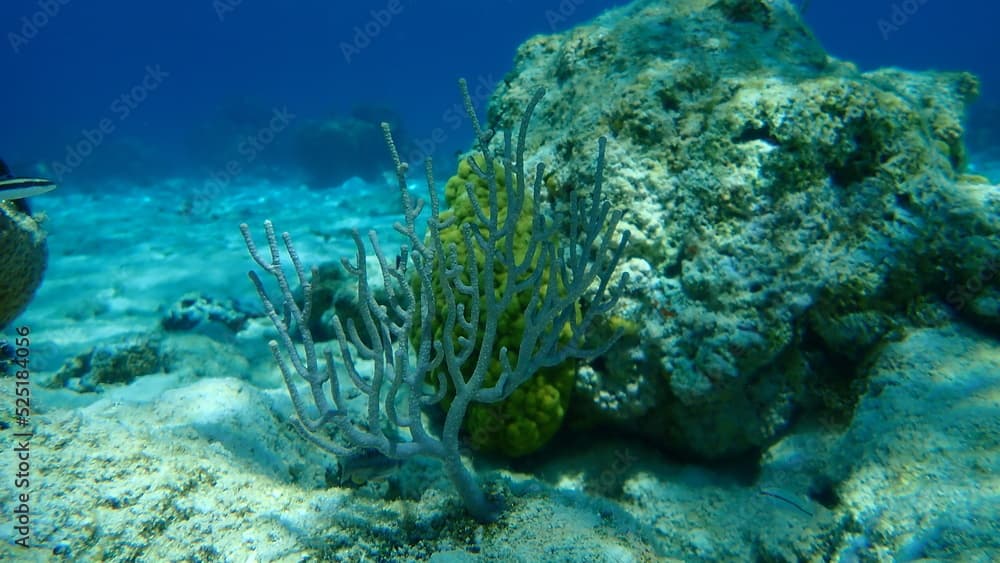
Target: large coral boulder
790, 213
23, 255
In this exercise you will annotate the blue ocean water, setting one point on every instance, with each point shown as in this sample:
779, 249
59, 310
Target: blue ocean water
67, 63
803, 362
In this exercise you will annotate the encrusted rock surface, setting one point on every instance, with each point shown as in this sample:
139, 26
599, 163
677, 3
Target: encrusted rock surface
789, 212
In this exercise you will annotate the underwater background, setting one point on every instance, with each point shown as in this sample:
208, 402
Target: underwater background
228, 66
803, 363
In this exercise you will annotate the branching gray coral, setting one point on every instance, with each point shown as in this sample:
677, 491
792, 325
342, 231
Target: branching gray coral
580, 251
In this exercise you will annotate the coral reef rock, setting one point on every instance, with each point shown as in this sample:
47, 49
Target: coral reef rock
23, 256
789, 213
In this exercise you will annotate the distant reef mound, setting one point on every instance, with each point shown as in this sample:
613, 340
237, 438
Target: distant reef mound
790, 214
23, 256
